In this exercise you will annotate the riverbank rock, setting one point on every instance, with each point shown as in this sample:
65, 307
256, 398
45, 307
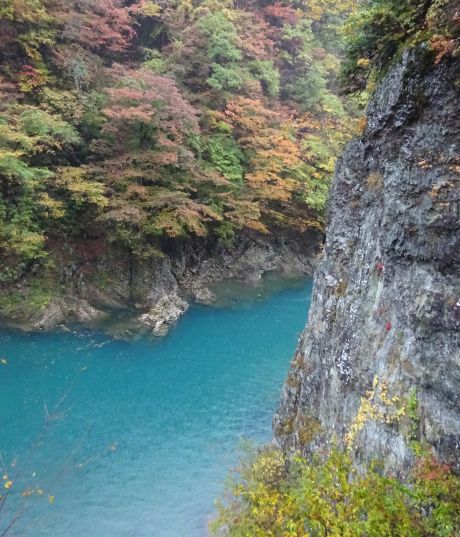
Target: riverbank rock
378, 367
72, 310
52, 316
101, 286
164, 314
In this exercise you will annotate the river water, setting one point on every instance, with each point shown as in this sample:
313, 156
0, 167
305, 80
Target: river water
105, 438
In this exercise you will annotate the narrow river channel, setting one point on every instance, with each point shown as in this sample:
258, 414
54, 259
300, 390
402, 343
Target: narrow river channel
105, 438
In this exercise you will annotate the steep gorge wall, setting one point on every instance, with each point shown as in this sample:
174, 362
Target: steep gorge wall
378, 366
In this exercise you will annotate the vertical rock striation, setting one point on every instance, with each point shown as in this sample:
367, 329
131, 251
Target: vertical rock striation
378, 365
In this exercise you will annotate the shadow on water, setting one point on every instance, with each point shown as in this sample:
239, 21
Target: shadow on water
235, 293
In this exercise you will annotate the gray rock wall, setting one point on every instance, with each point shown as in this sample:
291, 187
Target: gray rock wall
378, 366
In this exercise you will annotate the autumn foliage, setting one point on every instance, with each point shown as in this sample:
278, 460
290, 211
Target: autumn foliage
272, 496
381, 30
142, 122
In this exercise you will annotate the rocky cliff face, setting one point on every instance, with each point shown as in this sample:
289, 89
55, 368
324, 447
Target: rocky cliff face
378, 366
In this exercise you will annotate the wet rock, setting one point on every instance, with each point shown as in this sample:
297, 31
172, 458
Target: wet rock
52, 316
164, 314
83, 312
69, 309
202, 294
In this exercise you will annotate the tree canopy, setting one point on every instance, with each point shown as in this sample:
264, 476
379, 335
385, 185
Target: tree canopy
149, 121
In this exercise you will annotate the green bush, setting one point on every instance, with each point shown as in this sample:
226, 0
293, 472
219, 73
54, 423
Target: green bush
382, 29
276, 497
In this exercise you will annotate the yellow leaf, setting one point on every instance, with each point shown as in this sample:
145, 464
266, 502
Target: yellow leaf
8, 485
363, 62
51, 499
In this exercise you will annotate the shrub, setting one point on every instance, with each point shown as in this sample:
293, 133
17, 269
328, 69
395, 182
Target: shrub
277, 497
382, 29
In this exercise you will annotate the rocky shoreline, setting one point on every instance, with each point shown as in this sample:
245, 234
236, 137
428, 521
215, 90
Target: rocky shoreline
127, 297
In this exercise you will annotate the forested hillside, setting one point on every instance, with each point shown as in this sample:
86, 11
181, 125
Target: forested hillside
138, 122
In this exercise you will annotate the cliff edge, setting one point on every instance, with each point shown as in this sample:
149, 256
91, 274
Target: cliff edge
377, 369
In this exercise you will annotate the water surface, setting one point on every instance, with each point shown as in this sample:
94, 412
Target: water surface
139, 437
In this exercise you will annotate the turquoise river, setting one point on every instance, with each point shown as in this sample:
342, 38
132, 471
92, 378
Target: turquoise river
105, 438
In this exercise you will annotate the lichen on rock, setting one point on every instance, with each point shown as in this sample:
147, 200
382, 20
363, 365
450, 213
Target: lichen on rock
387, 288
